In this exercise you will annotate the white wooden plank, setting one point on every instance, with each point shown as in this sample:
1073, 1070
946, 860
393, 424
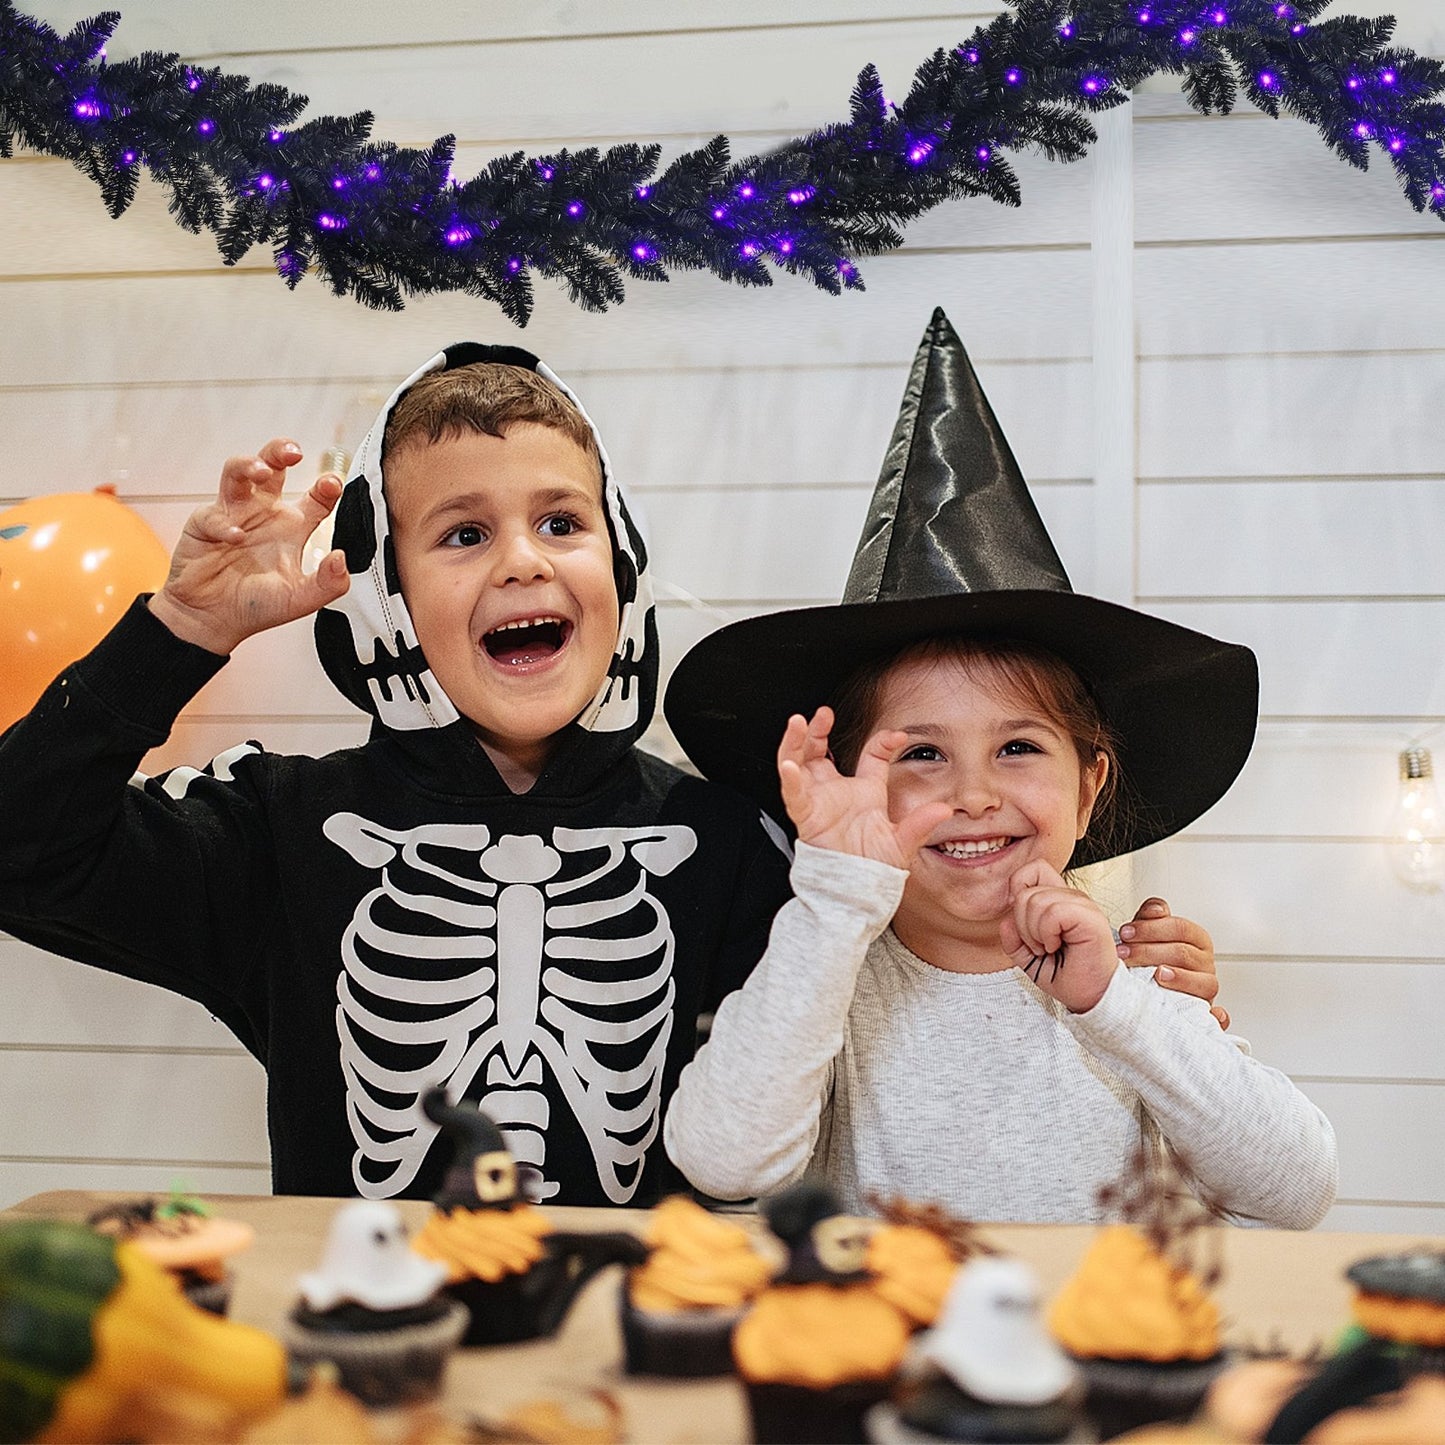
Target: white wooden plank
1340, 1020
1295, 899
1247, 176
241, 326
1423, 1222
1202, 538
1388, 1138
1317, 779
1349, 416
20, 1179
218, 33
50, 1000
161, 1107
1375, 659
1279, 296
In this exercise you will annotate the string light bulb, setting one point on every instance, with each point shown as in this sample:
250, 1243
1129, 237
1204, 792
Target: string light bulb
1417, 826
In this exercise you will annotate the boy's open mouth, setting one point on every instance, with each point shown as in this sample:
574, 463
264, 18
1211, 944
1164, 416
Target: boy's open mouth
529, 639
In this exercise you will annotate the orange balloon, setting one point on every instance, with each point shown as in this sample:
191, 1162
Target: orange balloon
69, 566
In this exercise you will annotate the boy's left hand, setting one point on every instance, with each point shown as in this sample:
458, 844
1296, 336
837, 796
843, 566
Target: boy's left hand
1179, 949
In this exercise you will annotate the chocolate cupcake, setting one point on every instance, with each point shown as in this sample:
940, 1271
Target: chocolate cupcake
515, 1273
679, 1309
182, 1236
989, 1371
374, 1309
820, 1346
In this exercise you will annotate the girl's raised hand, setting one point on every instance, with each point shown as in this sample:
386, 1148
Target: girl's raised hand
849, 814
1059, 936
237, 567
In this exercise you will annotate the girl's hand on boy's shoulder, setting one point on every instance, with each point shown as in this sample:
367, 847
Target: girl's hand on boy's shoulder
1181, 952
1059, 936
848, 814
237, 568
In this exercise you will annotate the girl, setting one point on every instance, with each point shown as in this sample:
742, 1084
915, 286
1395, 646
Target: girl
939, 1013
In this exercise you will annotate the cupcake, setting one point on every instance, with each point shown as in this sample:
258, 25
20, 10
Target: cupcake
184, 1238
374, 1309
502, 1258
679, 1309
820, 1346
989, 1370
915, 1254
1142, 1329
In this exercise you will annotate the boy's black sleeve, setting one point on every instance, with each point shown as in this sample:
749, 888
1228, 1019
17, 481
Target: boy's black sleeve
158, 881
762, 889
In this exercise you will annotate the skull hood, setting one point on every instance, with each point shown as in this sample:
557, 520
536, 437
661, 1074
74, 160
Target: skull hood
370, 651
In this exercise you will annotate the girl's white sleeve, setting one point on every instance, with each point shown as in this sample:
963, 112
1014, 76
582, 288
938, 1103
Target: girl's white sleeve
1255, 1146
745, 1117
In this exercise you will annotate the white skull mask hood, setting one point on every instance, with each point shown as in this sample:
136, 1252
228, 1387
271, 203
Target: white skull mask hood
370, 650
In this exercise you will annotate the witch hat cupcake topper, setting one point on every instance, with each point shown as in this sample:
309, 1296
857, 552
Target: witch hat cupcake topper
954, 546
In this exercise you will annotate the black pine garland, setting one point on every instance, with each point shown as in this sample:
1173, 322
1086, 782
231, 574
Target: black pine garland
381, 223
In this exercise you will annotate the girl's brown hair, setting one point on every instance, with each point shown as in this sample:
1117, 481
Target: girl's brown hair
1043, 679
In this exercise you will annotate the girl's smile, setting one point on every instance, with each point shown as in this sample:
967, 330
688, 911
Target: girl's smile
1011, 775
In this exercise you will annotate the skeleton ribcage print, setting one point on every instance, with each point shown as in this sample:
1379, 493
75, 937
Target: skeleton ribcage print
489, 963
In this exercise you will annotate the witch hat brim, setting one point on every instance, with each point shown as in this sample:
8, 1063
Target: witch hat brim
953, 546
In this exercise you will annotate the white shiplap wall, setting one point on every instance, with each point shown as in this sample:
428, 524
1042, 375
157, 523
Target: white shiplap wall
1285, 487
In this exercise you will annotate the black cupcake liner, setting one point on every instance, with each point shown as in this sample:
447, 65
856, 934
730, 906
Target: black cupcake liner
796, 1415
689, 1343
1124, 1394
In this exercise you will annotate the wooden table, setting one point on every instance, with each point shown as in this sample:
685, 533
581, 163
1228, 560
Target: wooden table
1277, 1287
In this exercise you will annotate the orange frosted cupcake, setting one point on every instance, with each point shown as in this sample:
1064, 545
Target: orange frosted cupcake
1142, 1329
680, 1308
185, 1239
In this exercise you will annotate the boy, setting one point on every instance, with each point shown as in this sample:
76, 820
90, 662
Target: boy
497, 892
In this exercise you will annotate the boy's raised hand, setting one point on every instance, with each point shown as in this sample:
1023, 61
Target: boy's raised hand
237, 567
1178, 948
849, 814
1048, 916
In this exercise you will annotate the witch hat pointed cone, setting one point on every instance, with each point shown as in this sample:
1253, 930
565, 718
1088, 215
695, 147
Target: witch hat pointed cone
951, 511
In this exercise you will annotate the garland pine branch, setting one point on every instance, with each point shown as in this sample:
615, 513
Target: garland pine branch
382, 222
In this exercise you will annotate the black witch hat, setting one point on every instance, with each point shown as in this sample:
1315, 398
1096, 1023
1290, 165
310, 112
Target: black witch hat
953, 545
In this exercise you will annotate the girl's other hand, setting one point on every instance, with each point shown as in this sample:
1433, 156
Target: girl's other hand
1059, 936
1178, 948
849, 814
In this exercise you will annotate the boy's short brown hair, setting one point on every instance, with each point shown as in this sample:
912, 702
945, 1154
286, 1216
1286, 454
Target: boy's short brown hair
488, 397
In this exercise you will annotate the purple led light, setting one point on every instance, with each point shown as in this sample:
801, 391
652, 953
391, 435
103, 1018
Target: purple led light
458, 234
971, 56
745, 191
514, 265
1353, 83
1093, 84
802, 195
642, 251
984, 155
1188, 37
1067, 30
265, 182
129, 158
749, 248
88, 109
277, 136
338, 183
1298, 29
846, 267
288, 263
920, 152
1387, 77
1266, 80
329, 222
575, 209
206, 127
1396, 144
1437, 193
1283, 11
546, 172
786, 247
718, 212
193, 81
1363, 130
1013, 76
1145, 17
372, 172
642, 192
1220, 17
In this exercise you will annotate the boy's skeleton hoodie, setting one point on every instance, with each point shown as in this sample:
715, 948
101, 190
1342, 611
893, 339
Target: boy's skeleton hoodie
392, 917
